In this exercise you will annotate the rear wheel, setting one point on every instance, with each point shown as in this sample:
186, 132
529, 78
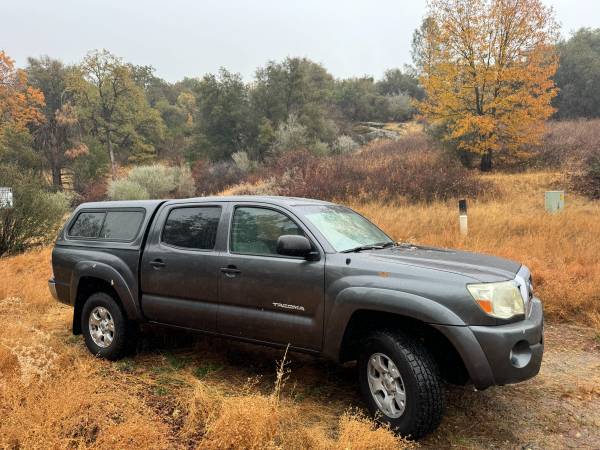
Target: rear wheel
401, 384
106, 331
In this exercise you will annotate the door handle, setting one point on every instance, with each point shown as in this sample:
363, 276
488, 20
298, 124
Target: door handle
157, 263
231, 271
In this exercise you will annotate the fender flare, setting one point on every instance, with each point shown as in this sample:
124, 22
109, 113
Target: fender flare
110, 275
353, 299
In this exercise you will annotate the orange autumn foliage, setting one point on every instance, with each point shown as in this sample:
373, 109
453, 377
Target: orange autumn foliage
19, 103
486, 66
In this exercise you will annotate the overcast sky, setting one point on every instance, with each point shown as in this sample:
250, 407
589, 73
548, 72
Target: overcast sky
190, 38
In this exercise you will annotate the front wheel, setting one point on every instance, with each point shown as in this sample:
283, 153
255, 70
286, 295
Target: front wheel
106, 331
400, 383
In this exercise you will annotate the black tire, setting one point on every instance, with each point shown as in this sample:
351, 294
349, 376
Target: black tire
123, 336
424, 404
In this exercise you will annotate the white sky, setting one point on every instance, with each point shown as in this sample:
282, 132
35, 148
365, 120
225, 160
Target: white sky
190, 38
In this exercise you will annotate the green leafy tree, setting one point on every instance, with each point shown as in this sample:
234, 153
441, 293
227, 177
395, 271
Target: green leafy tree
178, 118
396, 82
115, 108
224, 117
578, 75
300, 87
359, 100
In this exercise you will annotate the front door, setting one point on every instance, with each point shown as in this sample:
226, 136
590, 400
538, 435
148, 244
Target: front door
266, 296
180, 267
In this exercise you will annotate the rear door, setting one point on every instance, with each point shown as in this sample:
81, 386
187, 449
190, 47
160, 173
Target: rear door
266, 296
180, 266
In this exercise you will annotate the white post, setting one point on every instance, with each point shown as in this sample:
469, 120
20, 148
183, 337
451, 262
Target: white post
462, 217
463, 224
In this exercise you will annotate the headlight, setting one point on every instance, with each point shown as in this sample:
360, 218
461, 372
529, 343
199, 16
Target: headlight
502, 300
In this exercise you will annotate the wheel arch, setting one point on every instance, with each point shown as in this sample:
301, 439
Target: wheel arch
365, 321
87, 284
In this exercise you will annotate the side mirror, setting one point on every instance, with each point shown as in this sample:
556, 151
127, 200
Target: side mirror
292, 245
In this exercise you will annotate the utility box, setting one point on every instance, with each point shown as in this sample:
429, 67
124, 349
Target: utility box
554, 201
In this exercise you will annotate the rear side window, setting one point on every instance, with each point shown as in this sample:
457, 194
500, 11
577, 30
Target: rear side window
87, 225
121, 225
194, 227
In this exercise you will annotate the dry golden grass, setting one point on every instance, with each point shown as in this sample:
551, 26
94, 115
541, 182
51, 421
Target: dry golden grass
53, 394
562, 250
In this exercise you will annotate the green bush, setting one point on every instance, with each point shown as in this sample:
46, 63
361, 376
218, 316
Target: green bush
290, 135
155, 181
125, 189
36, 213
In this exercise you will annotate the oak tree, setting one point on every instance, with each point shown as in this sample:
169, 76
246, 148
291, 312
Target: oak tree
486, 67
115, 107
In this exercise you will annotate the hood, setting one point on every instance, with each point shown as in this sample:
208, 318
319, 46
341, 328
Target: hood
484, 268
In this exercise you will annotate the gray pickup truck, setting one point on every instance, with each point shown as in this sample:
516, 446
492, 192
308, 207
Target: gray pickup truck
309, 274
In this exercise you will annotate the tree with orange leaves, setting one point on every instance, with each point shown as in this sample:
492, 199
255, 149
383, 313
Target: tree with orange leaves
486, 66
19, 103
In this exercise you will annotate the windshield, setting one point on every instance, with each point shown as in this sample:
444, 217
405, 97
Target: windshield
343, 228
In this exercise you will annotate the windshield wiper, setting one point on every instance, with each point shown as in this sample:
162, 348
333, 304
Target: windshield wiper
376, 246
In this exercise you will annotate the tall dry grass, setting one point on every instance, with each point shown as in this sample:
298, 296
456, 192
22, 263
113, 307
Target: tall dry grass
562, 250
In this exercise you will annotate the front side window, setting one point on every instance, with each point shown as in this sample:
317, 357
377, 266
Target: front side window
87, 225
343, 228
256, 230
192, 227
121, 225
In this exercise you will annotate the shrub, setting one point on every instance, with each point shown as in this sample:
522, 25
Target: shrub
243, 162
184, 182
319, 148
155, 181
413, 167
586, 178
344, 144
125, 189
35, 216
400, 107
93, 192
567, 143
290, 135
212, 178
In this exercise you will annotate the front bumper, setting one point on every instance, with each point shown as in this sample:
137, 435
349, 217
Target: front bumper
514, 352
503, 354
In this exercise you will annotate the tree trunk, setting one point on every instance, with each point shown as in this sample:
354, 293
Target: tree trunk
56, 176
486, 161
111, 153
